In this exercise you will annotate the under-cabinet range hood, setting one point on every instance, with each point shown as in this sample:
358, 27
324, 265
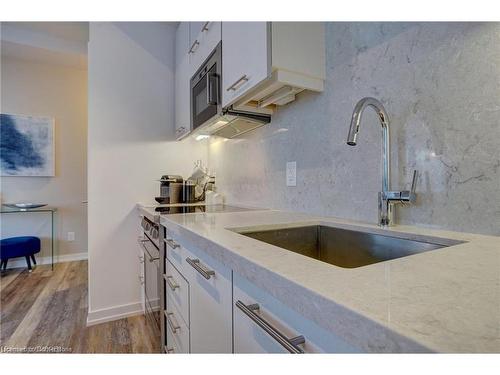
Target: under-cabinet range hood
233, 123
208, 117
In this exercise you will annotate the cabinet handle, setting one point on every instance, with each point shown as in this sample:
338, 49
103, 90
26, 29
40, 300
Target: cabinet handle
173, 326
171, 243
205, 26
292, 344
141, 280
171, 283
141, 259
240, 81
195, 263
150, 258
211, 96
169, 350
194, 46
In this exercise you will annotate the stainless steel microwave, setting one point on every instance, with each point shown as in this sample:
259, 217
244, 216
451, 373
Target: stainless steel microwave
205, 89
207, 114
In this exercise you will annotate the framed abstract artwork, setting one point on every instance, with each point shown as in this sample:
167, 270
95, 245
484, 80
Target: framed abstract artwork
27, 145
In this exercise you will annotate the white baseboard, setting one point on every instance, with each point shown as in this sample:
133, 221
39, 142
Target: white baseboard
114, 313
21, 262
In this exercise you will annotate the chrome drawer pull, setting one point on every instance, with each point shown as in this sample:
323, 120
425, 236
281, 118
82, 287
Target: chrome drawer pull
173, 326
289, 344
205, 26
194, 46
236, 85
172, 243
171, 283
195, 263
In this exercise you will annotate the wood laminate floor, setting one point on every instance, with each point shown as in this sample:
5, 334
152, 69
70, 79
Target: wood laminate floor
49, 309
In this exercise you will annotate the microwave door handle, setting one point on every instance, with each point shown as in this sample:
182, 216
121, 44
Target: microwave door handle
211, 97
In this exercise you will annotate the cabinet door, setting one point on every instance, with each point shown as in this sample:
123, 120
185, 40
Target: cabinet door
182, 77
195, 35
250, 337
245, 58
210, 303
210, 36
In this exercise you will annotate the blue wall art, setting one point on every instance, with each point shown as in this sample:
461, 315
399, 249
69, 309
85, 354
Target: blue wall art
26, 145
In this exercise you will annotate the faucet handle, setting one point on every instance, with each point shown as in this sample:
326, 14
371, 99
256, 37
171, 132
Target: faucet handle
414, 181
409, 196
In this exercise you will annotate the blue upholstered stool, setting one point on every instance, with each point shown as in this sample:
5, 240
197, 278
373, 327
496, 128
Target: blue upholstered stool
19, 247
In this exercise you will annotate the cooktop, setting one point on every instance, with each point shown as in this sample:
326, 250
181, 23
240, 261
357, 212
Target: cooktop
168, 210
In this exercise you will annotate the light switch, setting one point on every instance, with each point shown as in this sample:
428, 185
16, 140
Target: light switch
291, 173
71, 236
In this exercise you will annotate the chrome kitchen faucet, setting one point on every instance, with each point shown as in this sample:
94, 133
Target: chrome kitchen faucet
386, 197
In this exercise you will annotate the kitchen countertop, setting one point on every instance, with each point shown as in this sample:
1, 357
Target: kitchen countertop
149, 209
445, 300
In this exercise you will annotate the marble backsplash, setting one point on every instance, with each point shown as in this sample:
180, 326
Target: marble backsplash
440, 84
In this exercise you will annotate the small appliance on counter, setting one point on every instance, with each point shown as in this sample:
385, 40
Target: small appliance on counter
203, 181
170, 189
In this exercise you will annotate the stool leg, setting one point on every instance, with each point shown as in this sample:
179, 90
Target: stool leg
2, 265
4, 262
28, 262
33, 259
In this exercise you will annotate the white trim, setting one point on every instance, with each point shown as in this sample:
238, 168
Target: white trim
21, 262
114, 313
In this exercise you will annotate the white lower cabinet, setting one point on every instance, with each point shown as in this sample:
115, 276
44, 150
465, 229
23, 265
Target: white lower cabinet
210, 294
199, 299
262, 324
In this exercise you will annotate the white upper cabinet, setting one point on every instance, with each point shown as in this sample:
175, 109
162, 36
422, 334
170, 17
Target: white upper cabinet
182, 77
194, 41
266, 64
204, 37
245, 60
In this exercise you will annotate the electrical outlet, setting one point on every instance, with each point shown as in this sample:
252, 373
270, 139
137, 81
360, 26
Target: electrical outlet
291, 173
71, 236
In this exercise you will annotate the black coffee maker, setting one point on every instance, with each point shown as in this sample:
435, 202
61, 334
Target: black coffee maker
170, 189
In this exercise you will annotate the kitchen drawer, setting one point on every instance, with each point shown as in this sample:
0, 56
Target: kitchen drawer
177, 331
250, 337
177, 291
175, 253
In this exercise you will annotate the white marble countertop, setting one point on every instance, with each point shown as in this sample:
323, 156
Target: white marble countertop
445, 300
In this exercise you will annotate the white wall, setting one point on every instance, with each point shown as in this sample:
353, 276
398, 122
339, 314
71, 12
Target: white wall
130, 146
34, 88
440, 85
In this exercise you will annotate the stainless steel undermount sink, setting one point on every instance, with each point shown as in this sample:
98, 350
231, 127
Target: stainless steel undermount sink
345, 247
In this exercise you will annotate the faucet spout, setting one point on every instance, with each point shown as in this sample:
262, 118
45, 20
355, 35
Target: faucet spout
384, 122
386, 198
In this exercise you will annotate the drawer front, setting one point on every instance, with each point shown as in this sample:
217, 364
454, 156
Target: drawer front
250, 337
171, 346
177, 291
177, 331
175, 253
